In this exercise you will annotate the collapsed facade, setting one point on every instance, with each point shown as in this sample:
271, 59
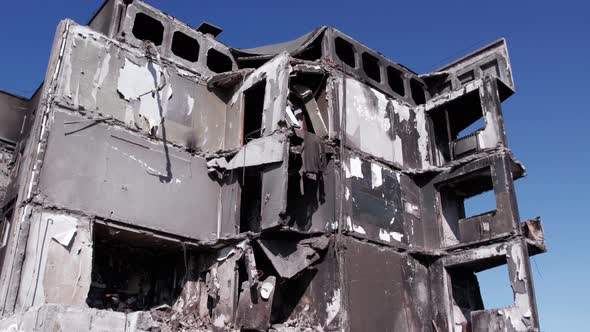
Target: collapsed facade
161, 180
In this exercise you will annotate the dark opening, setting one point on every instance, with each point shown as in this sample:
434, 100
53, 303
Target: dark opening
309, 103
468, 205
251, 199
491, 68
345, 52
466, 295
253, 109
395, 79
418, 94
456, 125
132, 271
148, 28
312, 52
371, 67
5, 219
300, 113
217, 61
466, 77
185, 47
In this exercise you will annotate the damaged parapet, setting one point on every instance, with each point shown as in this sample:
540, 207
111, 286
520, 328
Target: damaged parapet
160, 180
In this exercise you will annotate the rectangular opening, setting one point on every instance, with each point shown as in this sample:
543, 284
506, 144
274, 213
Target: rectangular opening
496, 290
371, 67
148, 28
395, 79
467, 207
418, 94
466, 296
218, 62
466, 77
251, 199
297, 107
6, 214
312, 52
472, 128
444, 88
479, 204
253, 110
490, 68
308, 107
456, 125
185, 47
134, 271
345, 52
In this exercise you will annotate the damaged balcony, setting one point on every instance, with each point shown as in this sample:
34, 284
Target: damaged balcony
159, 179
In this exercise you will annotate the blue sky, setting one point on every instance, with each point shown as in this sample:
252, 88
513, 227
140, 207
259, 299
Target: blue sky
547, 120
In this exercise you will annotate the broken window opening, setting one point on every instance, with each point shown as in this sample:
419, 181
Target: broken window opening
479, 204
312, 52
6, 214
472, 128
250, 199
146, 27
133, 271
298, 110
371, 67
418, 93
491, 69
218, 62
441, 133
395, 79
308, 105
456, 125
466, 77
496, 291
253, 111
466, 296
345, 52
185, 47
461, 224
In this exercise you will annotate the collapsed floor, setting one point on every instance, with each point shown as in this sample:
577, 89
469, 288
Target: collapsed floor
160, 180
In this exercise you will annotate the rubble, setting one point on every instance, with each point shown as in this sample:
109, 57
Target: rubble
160, 180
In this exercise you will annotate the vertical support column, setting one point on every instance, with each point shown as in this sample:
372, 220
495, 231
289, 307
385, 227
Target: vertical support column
493, 134
506, 207
519, 269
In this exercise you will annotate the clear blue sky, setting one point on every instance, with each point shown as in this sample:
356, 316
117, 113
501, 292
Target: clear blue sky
547, 120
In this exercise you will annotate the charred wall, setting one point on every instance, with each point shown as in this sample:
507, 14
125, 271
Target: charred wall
160, 179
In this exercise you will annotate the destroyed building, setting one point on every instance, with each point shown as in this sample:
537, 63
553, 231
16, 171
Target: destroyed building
161, 180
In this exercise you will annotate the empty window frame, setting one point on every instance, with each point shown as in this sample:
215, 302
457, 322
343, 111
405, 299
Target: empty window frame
371, 67
250, 199
218, 62
466, 296
345, 52
312, 52
495, 288
148, 28
132, 271
466, 77
185, 47
468, 207
456, 126
395, 79
418, 94
253, 110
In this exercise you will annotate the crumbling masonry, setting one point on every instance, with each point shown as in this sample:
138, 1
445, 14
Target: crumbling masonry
161, 180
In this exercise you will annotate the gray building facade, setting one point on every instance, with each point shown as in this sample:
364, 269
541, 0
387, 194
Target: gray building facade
160, 180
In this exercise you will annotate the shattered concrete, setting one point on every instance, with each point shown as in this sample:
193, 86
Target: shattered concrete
159, 180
